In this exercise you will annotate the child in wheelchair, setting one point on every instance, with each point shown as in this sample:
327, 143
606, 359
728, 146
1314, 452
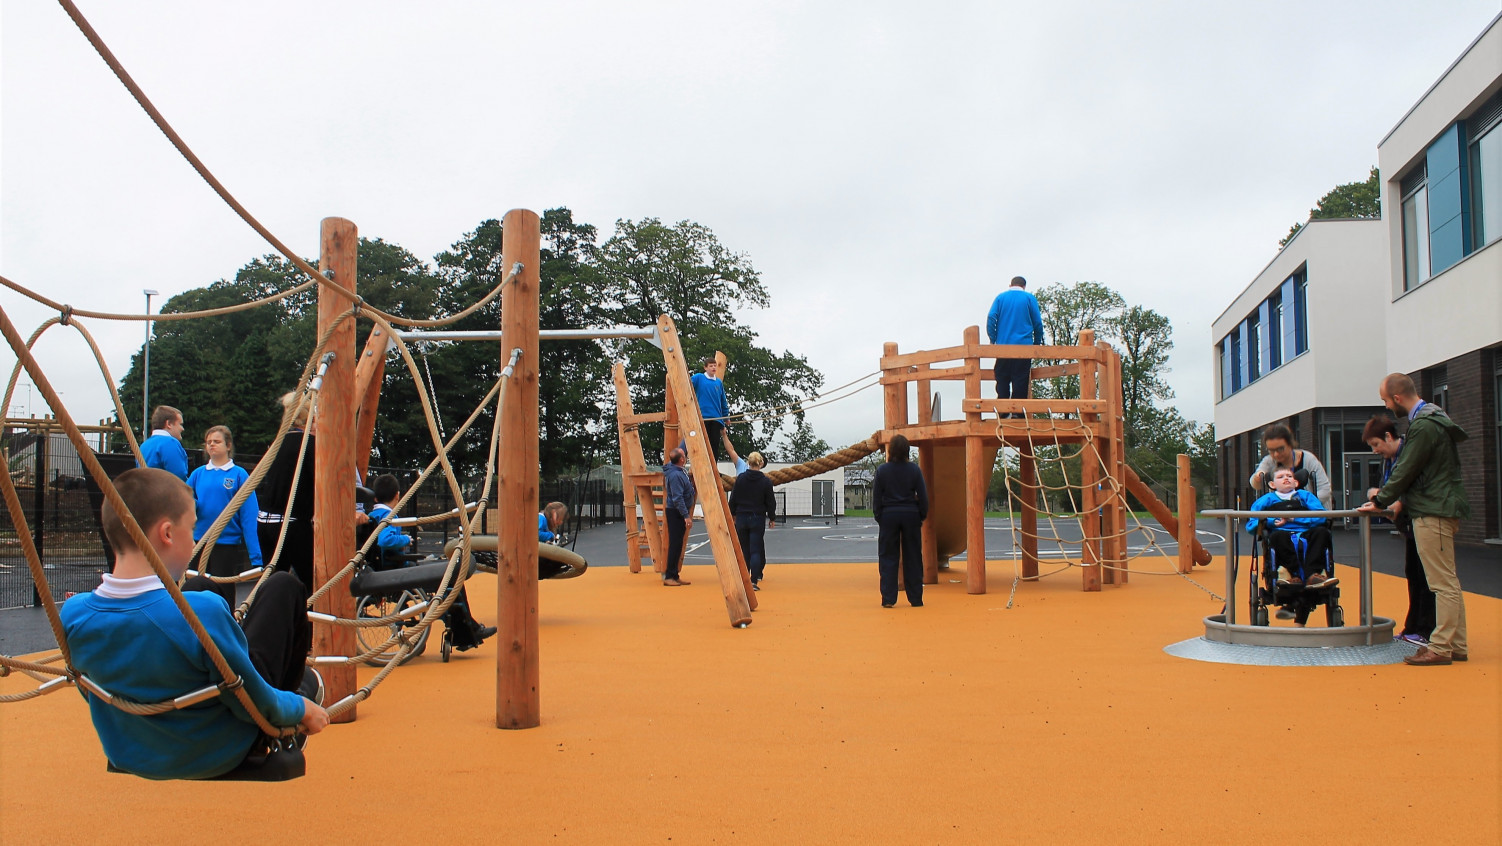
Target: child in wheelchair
463, 631
1299, 571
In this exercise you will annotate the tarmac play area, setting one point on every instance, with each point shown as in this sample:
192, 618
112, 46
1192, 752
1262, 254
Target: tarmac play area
1059, 718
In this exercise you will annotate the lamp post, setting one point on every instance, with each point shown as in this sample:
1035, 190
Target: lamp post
146, 369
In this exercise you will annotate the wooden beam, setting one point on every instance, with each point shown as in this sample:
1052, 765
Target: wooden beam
1186, 516
334, 457
1029, 511
369, 375
1036, 406
1160, 512
1089, 516
923, 373
930, 527
739, 602
518, 658
977, 476
897, 362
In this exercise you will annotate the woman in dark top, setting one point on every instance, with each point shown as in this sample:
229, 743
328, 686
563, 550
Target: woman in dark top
900, 502
755, 510
274, 491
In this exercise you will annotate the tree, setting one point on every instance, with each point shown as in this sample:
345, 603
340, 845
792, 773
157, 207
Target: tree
801, 444
1362, 200
1146, 339
649, 268
1067, 310
232, 369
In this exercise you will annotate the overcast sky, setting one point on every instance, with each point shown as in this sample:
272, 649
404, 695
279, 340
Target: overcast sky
887, 167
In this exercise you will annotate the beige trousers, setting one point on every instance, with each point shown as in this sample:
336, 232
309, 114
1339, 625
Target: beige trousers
1435, 539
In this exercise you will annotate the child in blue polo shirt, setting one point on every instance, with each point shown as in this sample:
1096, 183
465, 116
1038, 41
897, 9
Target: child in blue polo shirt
214, 485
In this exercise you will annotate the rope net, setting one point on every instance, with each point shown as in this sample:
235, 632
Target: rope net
1053, 484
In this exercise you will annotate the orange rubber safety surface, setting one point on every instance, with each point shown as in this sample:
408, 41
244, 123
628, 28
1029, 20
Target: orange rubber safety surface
831, 720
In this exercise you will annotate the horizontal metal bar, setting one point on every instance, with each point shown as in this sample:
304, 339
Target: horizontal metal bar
1229, 512
648, 333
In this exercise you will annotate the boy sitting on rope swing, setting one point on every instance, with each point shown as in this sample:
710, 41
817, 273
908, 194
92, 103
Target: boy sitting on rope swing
129, 637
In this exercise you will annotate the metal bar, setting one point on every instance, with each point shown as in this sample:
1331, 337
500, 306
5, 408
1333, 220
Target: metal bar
1366, 575
1230, 572
647, 333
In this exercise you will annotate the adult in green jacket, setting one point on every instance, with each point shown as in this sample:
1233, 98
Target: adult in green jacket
1427, 477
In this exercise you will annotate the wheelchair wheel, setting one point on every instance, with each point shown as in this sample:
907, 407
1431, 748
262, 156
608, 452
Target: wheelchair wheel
446, 645
1335, 616
373, 636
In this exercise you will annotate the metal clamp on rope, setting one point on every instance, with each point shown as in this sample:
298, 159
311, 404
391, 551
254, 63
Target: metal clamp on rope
66, 316
233, 684
323, 367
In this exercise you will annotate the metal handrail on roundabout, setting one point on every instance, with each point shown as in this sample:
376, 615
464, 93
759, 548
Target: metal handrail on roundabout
1370, 630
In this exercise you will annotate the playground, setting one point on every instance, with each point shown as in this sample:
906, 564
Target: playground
1040, 694
832, 720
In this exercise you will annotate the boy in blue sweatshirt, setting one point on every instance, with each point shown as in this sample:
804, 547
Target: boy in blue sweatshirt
1300, 544
164, 449
465, 632
129, 637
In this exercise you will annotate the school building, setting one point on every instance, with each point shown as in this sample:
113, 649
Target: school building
1419, 292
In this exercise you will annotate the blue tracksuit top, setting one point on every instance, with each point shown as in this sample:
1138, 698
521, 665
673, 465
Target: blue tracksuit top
1295, 524
711, 395
165, 452
142, 648
390, 538
544, 532
213, 488
1015, 319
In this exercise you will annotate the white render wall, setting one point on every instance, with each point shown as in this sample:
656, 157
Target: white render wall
1347, 270
1459, 310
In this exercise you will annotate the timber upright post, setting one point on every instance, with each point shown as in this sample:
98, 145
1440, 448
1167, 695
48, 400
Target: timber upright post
517, 701
926, 467
977, 475
1028, 508
1090, 553
1187, 508
334, 456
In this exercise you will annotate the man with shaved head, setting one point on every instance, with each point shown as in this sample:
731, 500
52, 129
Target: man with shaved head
1427, 477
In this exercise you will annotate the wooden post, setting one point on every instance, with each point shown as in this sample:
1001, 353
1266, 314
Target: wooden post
1111, 447
977, 475
739, 603
1090, 573
1186, 516
334, 458
517, 704
972, 382
891, 406
1029, 509
368, 378
930, 528
1161, 513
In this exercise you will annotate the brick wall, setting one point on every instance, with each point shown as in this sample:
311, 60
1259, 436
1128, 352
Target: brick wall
1472, 405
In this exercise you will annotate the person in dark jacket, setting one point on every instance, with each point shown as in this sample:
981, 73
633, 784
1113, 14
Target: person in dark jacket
755, 509
1381, 434
274, 494
1427, 479
678, 511
900, 502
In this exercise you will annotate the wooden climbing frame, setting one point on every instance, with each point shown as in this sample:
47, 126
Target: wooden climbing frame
957, 456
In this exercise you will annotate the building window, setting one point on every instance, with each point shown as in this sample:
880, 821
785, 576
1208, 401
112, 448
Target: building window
1275, 329
1486, 172
1415, 230
1300, 312
1439, 386
1225, 366
1253, 348
1238, 361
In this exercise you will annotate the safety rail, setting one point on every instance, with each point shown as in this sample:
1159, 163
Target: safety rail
1225, 629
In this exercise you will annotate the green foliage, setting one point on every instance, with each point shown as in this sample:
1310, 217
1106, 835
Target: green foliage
232, 369
1354, 199
1067, 310
801, 444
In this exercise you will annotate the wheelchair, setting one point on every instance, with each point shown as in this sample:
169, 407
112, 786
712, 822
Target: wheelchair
1265, 589
386, 597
